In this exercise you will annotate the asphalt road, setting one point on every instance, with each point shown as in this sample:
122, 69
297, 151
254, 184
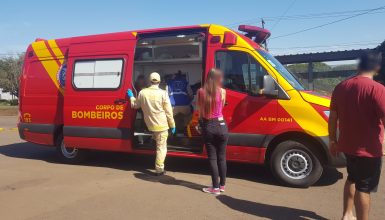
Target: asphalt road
35, 185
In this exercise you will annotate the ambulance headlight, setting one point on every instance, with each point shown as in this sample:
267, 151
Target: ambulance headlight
327, 113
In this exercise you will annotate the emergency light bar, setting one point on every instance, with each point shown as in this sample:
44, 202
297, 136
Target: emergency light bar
257, 34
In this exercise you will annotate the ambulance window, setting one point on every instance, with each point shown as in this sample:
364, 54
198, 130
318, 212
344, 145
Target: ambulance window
235, 66
242, 72
257, 72
98, 74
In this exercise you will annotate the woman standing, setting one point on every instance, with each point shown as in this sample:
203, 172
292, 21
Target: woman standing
211, 99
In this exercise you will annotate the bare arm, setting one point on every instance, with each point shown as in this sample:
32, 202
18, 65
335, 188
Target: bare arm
223, 97
333, 118
332, 126
383, 120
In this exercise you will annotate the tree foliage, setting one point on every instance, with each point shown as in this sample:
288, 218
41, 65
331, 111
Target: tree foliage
10, 69
322, 83
303, 67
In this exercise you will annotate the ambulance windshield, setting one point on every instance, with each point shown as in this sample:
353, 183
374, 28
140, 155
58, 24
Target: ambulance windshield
282, 70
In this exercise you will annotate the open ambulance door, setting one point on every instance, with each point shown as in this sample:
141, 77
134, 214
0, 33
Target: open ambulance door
97, 112
178, 53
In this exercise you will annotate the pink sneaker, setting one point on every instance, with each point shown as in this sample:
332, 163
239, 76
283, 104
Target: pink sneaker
212, 190
222, 188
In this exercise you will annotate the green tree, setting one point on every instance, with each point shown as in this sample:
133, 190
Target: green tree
298, 68
10, 69
347, 67
303, 67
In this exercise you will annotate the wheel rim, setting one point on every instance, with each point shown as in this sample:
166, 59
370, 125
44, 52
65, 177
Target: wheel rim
296, 164
68, 152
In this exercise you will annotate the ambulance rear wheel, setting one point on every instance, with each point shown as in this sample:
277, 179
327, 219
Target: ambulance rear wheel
70, 155
293, 164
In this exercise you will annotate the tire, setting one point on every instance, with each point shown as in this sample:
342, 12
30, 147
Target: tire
70, 155
293, 164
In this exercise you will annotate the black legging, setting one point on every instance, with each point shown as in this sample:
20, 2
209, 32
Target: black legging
215, 135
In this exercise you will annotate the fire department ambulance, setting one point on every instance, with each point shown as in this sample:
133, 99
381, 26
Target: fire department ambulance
73, 96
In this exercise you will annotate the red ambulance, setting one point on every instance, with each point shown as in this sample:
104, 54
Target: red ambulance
73, 96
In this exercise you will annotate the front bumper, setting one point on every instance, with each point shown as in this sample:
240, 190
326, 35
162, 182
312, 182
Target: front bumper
339, 161
332, 161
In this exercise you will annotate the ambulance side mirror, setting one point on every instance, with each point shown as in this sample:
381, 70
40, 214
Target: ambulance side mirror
269, 86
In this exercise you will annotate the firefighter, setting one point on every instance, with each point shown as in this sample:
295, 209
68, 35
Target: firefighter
158, 117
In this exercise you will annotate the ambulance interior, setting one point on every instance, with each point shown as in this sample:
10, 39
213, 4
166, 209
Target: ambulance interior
177, 56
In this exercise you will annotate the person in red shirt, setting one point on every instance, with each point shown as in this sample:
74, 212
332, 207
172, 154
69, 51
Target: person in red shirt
358, 110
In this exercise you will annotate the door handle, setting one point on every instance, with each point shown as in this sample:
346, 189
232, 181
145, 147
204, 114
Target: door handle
120, 101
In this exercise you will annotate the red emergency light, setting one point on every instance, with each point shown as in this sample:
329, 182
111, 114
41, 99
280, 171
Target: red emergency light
257, 34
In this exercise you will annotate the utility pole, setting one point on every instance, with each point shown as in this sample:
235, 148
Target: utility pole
263, 26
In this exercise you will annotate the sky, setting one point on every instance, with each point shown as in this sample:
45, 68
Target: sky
21, 22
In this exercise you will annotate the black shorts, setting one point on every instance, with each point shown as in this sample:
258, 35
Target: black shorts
364, 172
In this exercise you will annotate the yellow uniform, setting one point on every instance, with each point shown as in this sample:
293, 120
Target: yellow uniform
156, 108
158, 117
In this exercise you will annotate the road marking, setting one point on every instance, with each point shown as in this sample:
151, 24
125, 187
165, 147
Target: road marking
10, 129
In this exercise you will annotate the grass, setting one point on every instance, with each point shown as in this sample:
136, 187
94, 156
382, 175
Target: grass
8, 110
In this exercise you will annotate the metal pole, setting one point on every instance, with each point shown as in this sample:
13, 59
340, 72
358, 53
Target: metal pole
263, 26
310, 76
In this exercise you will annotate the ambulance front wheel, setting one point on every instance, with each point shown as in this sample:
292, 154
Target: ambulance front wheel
293, 164
70, 155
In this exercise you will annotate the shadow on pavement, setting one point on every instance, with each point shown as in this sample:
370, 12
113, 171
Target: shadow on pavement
168, 180
143, 163
267, 211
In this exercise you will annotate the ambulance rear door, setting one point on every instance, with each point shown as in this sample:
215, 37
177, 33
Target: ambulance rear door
97, 113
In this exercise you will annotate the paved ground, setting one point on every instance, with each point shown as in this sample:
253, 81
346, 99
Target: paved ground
8, 110
8, 122
33, 185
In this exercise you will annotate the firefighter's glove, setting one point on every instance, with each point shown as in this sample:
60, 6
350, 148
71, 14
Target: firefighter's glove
130, 93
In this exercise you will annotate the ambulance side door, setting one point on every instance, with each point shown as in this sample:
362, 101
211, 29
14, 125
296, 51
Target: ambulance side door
251, 116
97, 113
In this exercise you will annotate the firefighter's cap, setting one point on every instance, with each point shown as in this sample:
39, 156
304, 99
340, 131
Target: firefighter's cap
155, 77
